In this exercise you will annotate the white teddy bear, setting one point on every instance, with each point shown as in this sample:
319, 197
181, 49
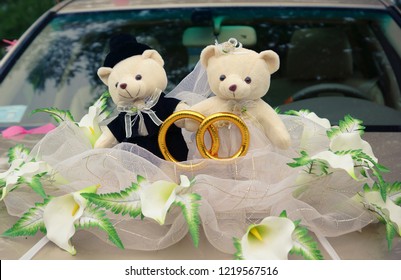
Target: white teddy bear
239, 77
136, 79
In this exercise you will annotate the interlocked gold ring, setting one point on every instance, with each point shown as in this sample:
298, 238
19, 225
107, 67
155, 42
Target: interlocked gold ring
186, 114
206, 123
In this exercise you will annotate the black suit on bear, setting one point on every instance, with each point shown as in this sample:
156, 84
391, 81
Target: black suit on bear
174, 139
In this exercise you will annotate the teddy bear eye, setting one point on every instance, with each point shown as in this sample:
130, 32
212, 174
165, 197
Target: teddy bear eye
116, 85
222, 77
138, 77
248, 80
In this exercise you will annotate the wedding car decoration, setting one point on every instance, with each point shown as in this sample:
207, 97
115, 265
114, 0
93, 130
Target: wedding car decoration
325, 180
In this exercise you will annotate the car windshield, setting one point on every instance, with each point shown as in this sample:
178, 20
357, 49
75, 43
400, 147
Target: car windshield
334, 60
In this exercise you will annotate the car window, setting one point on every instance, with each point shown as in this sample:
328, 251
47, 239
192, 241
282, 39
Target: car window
336, 53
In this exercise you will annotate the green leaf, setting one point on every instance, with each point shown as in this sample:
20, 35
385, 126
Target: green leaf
238, 249
366, 188
303, 160
313, 166
101, 103
367, 162
384, 217
283, 214
19, 151
95, 217
363, 173
125, 202
297, 113
190, 210
304, 244
140, 179
375, 187
390, 233
394, 192
334, 131
348, 125
30, 222
35, 183
58, 115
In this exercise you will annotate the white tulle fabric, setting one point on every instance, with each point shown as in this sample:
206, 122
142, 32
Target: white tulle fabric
234, 193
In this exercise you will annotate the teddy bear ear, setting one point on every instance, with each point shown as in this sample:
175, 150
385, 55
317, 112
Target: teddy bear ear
104, 73
272, 60
152, 54
206, 54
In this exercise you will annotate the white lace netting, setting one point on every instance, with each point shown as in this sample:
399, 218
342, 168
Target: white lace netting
193, 88
234, 194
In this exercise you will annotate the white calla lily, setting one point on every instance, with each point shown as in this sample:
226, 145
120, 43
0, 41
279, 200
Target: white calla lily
351, 141
60, 215
338, 161
271, 239
389, 207
90, 124
156, 198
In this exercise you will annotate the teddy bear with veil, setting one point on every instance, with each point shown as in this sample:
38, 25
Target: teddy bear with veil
238, 78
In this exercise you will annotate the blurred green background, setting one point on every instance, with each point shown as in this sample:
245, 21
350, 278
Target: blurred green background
17, 15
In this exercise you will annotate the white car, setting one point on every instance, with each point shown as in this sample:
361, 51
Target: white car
337, 58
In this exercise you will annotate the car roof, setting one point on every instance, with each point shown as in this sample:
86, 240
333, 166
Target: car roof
99, 5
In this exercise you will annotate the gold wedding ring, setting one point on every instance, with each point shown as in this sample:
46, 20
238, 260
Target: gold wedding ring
185, 114
206, 124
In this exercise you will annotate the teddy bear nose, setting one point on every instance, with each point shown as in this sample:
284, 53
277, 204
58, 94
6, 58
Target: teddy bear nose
233, 87
123, 86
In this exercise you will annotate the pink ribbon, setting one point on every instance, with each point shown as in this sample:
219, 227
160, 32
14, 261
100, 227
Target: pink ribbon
10, 44
19, 130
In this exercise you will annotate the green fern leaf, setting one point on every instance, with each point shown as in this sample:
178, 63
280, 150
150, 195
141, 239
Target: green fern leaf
34, 183
190, 210
95, 217
283, 214
303, 160
30, 222
125, 202
238, 249
304, 244
58, 115
19, 151
101, 103
394, 192
299, 113
390, 234
348, 125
